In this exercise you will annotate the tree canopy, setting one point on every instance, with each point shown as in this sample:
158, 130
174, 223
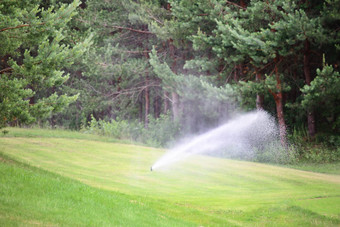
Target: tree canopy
194, 61
35, 53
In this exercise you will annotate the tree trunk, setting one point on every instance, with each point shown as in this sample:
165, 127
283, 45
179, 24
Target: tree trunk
259, 102
140, 102
281, 118
238, 73
308, 78
166, 102
157, 106
147, 94
147, 103
174, 95
278, 96
175, 105
243, 4
259, 98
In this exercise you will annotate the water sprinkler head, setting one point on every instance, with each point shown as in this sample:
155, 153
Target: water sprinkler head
151, 168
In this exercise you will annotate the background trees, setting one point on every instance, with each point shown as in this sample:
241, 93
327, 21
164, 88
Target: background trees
281, 56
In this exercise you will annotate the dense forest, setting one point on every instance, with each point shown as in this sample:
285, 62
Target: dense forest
154, 70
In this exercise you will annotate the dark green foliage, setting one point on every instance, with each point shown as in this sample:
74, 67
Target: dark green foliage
322, 94
161, 132
276, 154
114, 76
204, 104
34, 59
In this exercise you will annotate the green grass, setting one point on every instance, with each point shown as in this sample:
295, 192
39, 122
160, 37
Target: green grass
58, 133
30, 196
331, 168
99, 183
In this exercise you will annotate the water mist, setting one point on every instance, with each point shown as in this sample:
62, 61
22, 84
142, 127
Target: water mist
240, 137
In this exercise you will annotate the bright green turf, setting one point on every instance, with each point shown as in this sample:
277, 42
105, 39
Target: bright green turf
201, 190
29, 196
332, 168
57, 133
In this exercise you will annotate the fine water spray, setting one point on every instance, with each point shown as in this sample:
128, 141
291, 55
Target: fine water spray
240, 137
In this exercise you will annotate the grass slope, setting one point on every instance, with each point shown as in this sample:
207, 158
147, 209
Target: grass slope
30, 196
200, 191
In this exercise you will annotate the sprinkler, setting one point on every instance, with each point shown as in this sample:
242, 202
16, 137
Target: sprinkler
151, 168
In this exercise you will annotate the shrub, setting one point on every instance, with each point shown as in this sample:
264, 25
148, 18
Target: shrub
323, 148
320, 154
275, 153
118, 129
159, 133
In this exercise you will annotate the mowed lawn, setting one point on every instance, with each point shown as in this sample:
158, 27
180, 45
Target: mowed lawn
118, 184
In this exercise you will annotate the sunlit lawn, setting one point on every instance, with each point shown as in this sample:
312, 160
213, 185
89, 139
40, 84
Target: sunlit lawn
198, 191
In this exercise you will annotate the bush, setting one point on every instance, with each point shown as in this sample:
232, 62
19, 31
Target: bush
160, 131
118, 129
275, 153
328, 139
320, 154
324, 148
163, 132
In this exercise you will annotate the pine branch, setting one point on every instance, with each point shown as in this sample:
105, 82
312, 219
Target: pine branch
234, 4
131, 29
6, 70
265, 66
19, 26
153, 17
136, 51
28, 25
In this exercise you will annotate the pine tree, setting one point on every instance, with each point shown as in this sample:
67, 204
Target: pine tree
115, 80
322, 93
33, 56
266, 38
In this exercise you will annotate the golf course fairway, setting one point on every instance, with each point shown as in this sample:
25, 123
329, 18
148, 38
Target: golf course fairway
198, 191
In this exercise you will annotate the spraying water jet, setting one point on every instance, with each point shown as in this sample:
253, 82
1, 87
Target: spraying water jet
240, 137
